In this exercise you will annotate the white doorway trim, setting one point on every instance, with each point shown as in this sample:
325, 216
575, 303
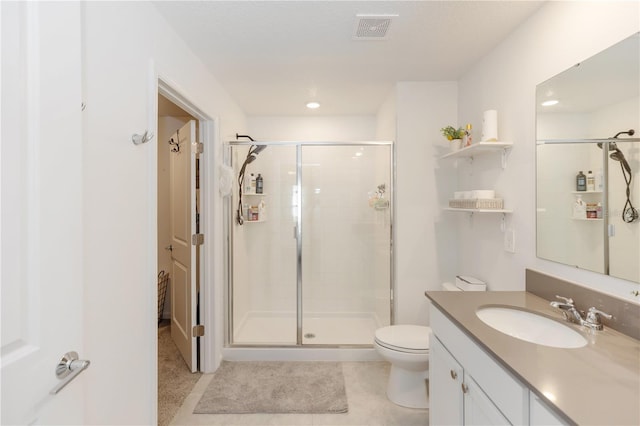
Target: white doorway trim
208, 129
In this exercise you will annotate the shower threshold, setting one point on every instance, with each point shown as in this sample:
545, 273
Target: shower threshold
320, 329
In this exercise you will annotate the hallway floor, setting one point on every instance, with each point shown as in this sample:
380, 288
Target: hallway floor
365, 384
175, 381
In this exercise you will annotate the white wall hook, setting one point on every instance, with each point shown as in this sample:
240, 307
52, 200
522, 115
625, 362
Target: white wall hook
140, 139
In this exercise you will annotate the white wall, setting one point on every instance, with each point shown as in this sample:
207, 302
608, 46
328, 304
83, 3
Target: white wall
554, 39
425, 235
312, 128
122, 42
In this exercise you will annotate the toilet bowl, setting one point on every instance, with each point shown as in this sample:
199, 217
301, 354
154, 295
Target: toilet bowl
406, 347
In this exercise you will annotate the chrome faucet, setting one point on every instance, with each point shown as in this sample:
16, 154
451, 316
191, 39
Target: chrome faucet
568, 309
571, 314
593, 318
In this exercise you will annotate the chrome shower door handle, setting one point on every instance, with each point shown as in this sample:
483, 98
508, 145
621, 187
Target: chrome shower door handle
68, 368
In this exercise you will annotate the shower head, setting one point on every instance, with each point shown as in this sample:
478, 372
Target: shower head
258, 149
612, 145
629, 132
617, 155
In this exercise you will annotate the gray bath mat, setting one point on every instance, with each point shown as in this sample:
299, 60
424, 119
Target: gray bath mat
275, 387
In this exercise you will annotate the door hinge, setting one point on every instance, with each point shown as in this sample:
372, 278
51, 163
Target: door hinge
197, 239
198, 148
198, 330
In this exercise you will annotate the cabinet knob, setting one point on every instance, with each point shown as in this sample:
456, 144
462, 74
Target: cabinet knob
454, 375
465, 388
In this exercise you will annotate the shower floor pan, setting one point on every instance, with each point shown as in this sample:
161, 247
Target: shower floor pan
272, 329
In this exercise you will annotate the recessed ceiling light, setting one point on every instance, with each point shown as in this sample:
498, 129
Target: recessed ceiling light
313, 105
550, 102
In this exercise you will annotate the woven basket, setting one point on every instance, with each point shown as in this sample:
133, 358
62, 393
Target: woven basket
479, 203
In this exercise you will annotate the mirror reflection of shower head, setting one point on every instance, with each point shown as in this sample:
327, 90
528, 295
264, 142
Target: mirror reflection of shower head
629, 132
258, 149
617, 155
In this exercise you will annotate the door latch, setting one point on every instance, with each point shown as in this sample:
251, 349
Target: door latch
68, 369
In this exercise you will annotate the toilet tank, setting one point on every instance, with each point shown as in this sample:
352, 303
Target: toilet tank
465, 283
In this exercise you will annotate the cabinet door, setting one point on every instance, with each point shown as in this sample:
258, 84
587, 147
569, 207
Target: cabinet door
541, 414
445, 381
478, 408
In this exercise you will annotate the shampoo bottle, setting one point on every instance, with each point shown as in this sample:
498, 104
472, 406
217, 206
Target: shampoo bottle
599, 180
247, 184
259, 184
591, 181
581, 182
252, 190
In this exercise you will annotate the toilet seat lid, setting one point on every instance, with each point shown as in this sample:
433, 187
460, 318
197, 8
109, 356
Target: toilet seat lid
408, 337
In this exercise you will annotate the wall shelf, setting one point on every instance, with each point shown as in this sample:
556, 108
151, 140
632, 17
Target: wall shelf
503, 211
480, 148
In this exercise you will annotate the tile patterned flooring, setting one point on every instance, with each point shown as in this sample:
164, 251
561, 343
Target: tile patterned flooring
365, 384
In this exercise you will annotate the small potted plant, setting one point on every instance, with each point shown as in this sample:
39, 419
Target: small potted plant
454, 136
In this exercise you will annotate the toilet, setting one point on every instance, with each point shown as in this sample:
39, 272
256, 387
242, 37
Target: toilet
406, 347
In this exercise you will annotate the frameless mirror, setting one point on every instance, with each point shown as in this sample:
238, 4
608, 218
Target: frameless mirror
586, 123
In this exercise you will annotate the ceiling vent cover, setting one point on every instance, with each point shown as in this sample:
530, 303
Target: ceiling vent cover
372, 27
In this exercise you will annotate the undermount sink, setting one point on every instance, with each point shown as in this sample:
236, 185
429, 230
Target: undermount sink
530, 327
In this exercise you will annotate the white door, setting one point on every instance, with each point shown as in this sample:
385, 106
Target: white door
41, 211
182, 190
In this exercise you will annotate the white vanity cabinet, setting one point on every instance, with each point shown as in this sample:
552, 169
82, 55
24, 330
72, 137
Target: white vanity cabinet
446, 400
466, 386
455, 398
541, 414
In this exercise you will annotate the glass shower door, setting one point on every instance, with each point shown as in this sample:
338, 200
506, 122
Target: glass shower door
346, 242
263, 282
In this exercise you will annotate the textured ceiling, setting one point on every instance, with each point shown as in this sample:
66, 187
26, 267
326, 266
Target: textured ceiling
274, 56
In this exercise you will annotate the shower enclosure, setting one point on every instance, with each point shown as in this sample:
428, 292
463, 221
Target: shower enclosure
310, 258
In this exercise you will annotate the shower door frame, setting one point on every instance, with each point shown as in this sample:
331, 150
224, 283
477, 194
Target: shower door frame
229, 220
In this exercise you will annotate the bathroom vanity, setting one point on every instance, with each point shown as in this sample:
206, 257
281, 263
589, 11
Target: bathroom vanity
479, 375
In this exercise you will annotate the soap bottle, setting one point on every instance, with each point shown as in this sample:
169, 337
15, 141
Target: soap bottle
591, 181
581, 182
246, 212
599, 180
579, 208
252, 190
247, 185
259, 184
262, 210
